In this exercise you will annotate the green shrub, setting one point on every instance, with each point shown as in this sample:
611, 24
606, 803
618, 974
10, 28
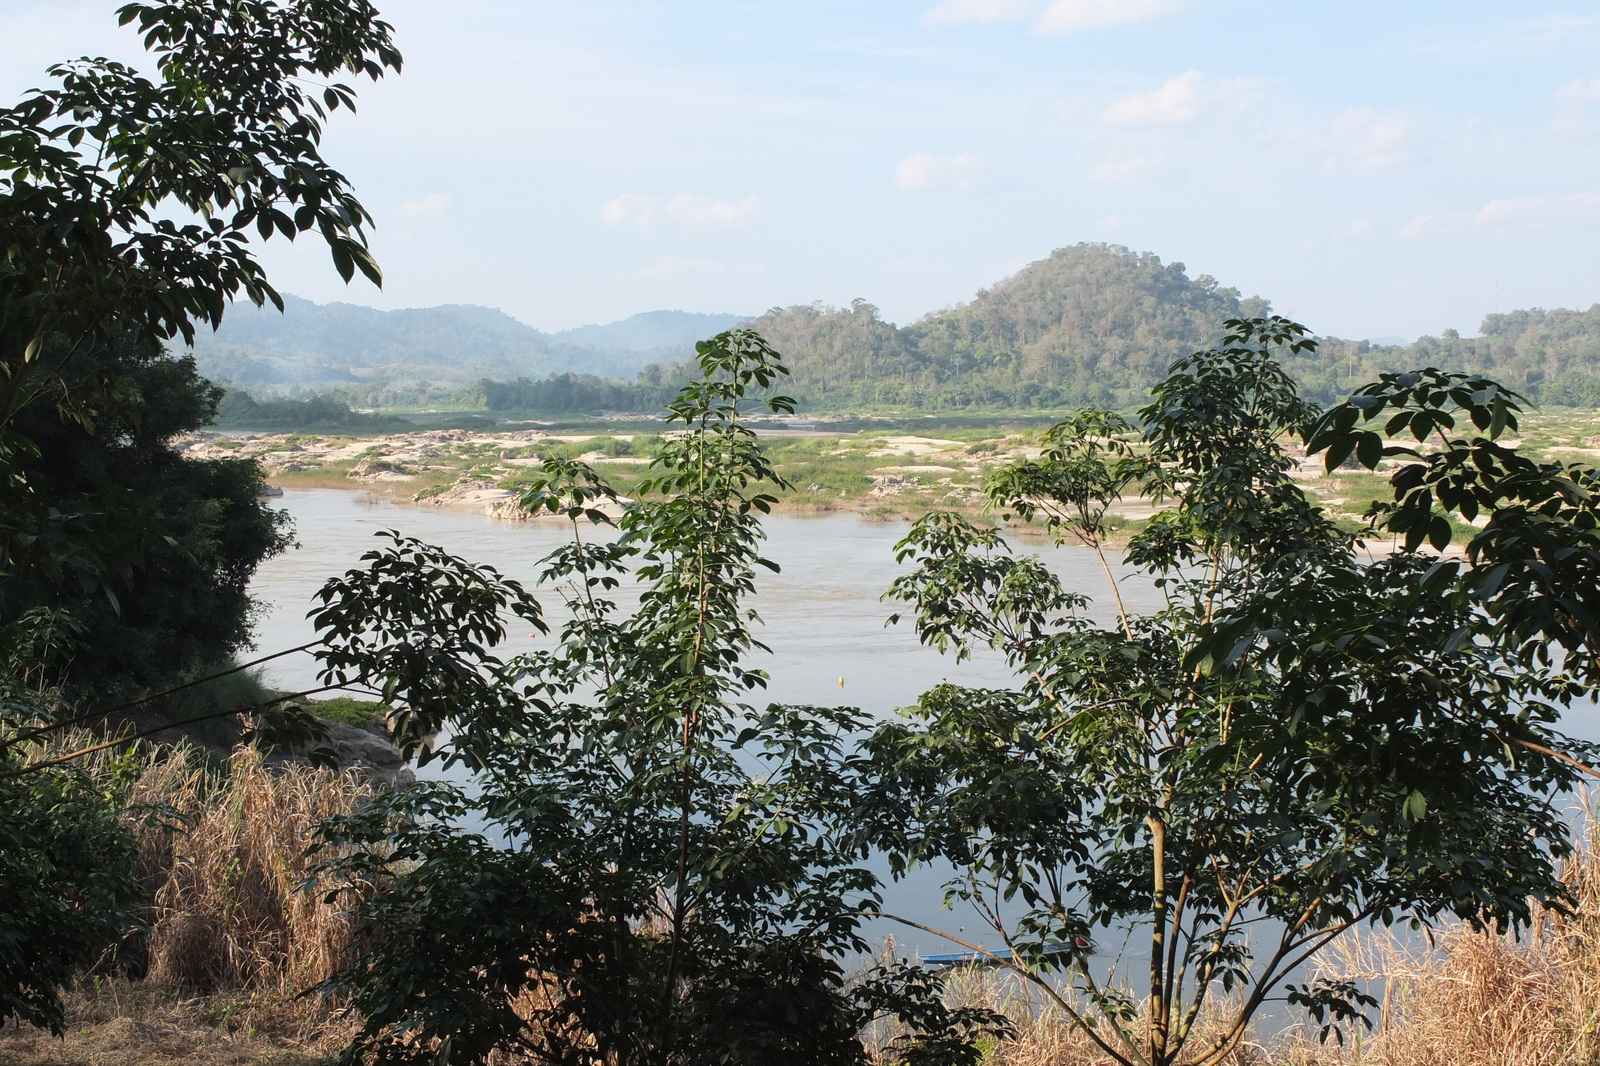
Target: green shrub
347, 710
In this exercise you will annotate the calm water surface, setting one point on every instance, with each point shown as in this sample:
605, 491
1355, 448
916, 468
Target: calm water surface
822, 614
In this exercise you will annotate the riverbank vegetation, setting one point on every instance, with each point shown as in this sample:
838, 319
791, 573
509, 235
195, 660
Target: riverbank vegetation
883, 473
436, 940
1333, 726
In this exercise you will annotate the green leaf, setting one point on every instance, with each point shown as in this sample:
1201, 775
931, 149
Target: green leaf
1369, 449
1340, 451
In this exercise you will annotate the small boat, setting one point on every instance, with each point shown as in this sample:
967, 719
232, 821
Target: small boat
1080, 946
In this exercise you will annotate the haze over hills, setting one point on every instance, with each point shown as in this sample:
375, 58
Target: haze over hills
650, 333
1090, 324
314, 345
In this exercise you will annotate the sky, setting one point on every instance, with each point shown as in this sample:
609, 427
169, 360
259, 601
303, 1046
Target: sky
1374, 169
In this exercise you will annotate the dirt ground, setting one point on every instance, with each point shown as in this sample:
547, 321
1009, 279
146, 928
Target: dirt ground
125, 1025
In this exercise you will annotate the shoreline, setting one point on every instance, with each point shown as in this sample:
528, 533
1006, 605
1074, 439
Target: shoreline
890, 477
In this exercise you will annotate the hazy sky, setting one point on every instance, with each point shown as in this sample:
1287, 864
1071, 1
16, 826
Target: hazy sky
1373, 168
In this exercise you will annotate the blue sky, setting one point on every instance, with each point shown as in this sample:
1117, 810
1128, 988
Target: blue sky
1374, 169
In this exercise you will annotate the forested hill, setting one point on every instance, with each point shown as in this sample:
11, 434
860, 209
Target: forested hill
1097, 324
1092, 323
1553, 356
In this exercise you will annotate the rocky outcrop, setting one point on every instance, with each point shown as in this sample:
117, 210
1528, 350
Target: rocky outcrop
372, 750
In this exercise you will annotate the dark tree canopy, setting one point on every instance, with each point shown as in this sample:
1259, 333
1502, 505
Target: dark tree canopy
194, 529
128, 203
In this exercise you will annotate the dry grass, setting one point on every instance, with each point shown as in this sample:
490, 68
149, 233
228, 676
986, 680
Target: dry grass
1472, 999
227, 907
1477, 999
132, 1024
233, 937
1045, 1036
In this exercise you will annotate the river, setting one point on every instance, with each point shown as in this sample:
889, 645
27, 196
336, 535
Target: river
822, 616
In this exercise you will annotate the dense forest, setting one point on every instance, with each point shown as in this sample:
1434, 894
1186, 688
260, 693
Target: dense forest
1092, 323
1553, 356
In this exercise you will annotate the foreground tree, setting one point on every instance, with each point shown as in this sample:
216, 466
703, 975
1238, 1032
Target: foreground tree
127, 208
1304, 739
658, 882
195, 530
127, 205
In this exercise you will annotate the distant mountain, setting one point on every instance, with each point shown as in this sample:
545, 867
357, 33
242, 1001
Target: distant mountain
360, 351
1093, 324
651, 331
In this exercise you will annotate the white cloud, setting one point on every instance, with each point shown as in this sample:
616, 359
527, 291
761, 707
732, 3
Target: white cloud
684, 209
1580, 91
932, 171
1058, 16
629, 208
1431, 226
950, 12
1370, 139
1510, 213
433, 204
1577, 113
1175, 102
705, 212
1124, 164
1181, 100
1070, 16
1359, 228
1120, 223
1540, 212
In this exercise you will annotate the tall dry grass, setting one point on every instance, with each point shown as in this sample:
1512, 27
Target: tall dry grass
224, 864
1046, 1036
1468, 999
1481, 999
